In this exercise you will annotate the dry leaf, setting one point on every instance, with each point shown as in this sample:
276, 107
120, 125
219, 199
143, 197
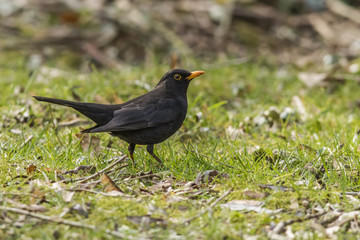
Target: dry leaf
248, 205
30, 169
109, 184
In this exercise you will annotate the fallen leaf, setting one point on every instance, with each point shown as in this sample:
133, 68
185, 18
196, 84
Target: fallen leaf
109, 184
30, 169
248, 205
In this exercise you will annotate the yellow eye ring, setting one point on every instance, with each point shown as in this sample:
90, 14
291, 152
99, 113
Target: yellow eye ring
177, 77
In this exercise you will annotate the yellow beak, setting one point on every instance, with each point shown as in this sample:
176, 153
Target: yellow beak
194, 74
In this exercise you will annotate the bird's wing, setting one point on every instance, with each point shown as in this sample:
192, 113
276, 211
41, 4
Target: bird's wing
137, 116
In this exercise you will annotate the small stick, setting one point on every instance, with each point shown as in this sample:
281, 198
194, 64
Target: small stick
84, 179
352, 193
62, 221
143, 176
209, 208
101, 193
281, 225
104, 170
18, 194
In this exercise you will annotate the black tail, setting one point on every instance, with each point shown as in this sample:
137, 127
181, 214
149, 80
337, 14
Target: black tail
99, 113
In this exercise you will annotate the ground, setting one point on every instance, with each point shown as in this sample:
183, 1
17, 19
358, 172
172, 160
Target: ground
260, 155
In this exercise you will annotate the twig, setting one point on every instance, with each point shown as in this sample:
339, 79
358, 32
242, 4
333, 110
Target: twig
143, 176
76, 170
18, 194
84, 179
101, 193
281, 225
208, 208
62, 221
114, 170
104, 170
352, 193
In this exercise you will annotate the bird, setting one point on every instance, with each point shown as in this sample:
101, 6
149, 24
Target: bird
145, 120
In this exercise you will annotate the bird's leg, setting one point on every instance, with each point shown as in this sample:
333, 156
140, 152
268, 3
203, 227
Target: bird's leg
131, 149
150, 149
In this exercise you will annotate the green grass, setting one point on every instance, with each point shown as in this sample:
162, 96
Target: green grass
225, 96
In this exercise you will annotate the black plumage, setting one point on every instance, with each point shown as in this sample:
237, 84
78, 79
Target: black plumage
146, 120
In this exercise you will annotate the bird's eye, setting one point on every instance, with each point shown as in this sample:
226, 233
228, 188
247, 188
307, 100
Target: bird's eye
177, 77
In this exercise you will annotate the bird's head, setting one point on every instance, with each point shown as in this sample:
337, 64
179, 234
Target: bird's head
177, 80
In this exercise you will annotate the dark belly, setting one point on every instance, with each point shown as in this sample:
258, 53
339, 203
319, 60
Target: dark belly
147, 136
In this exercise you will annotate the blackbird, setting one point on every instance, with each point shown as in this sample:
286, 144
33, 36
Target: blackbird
145, 120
